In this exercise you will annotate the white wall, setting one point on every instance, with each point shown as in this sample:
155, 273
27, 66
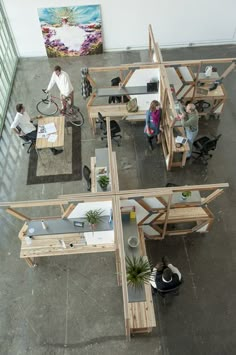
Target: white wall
125, 22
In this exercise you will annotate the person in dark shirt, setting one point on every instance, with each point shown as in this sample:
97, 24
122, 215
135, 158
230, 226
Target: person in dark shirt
165, 276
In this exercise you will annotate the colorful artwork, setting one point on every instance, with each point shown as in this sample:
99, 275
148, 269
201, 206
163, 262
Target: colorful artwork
71, 31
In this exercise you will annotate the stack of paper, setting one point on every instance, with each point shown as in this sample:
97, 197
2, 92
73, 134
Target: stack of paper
46, 131
50, 128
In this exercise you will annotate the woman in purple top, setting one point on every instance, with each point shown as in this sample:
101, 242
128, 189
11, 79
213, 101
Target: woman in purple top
153, 120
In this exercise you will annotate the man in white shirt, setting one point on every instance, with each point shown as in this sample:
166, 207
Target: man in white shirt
23, 127
62, 80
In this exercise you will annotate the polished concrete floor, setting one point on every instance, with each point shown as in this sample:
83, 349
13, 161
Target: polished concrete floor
72, 305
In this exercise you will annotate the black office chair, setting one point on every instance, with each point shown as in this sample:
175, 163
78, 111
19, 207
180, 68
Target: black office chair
115, 129
204, 145
31, 143
87, 176
173, 291
117, 99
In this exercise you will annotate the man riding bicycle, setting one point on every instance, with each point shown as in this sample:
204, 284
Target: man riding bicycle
62, 80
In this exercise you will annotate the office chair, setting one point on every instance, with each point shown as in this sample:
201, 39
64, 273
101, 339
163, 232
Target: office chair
87, 176
115, 129
173, 291
167, 293
117, 99
27, 141
204, 145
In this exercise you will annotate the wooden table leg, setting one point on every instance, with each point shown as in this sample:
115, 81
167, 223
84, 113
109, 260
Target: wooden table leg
30, 262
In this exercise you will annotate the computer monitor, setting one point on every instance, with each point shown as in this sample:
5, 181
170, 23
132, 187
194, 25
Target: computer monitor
153, 86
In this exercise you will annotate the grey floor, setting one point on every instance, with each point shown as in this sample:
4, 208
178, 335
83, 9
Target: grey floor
72, 305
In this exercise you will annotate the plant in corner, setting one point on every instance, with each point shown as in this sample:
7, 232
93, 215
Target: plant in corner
138, 271
94, 216
104, 182
186, 194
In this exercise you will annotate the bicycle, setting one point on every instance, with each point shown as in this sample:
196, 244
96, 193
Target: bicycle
48, 107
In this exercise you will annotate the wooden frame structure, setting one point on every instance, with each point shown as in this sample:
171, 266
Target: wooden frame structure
186, 78
156, 209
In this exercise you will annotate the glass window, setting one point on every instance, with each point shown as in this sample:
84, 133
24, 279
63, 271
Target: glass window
8, 61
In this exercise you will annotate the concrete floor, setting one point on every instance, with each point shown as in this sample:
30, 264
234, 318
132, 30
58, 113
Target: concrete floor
72, 305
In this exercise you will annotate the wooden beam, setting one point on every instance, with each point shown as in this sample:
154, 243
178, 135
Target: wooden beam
212, 196
68, 211
34, 203
128, 76
156, 48
23, 231
17, 214
167, 215
119, 234
185, 63
228, 70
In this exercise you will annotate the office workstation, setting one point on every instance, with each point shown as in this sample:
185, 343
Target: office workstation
185, 78
76, 265
144, 214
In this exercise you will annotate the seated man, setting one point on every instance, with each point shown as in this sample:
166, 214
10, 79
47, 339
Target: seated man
165, 276
27, 129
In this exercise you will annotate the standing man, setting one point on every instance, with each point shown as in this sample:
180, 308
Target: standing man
23, 127
190, 121
62, 79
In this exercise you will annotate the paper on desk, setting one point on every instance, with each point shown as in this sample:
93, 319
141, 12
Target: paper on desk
180, 140
52, 138
42, 132
50, 128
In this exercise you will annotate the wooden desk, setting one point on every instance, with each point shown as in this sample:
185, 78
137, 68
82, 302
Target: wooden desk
59, 121
119, 111
60, 238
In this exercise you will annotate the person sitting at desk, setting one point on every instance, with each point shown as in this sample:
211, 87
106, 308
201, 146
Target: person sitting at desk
190, 121
165, 276
153, 120
23, 127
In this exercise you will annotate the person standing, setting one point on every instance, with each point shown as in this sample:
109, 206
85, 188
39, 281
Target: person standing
153, 120
190, 121
62, 80
23, 127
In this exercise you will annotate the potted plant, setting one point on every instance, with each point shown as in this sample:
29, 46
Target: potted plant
103, 181
94, 216
138, 271
186, 194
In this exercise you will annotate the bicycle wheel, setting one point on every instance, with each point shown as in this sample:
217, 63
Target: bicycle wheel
76, 118
47, 107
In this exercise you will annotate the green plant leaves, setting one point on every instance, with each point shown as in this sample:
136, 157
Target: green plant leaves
103, 181
138, 271
94, 216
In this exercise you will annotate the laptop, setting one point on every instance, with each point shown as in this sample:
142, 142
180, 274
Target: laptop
153, 86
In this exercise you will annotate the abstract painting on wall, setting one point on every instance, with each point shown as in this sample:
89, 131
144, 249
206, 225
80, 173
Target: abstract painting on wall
71, 31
